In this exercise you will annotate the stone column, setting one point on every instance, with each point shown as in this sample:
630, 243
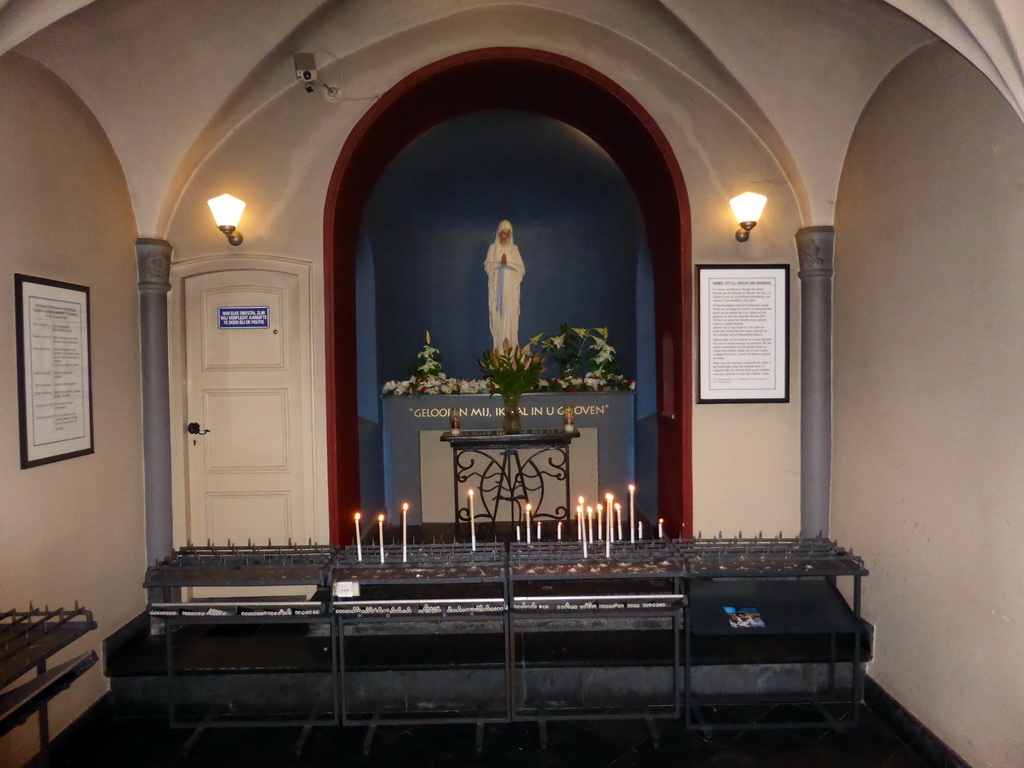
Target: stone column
154, 263
816, 249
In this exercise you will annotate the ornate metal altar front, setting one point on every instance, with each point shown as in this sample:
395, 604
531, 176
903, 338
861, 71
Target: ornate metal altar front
511, 471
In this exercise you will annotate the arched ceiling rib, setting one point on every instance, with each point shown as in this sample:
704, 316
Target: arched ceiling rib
989, 33
165, 78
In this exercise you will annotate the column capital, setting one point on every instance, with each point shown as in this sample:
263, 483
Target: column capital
153, 258
816, 249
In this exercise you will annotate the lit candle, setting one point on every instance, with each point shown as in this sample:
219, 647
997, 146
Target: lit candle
583, 538
359, 541
538, 530
472, 521
599, 530
579, 521
380, 528
528, 508
661, 528
608, 547
405, 512
559, 530
590, 524
618, 518
608, 506
640, 530
632, 488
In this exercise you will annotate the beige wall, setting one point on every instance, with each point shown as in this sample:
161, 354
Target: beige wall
929, 417
746, 457
71, 530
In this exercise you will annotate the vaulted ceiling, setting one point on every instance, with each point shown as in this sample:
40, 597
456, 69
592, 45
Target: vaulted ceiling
170, 79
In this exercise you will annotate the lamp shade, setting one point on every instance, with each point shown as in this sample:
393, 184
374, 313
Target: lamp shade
227, 210
748, 206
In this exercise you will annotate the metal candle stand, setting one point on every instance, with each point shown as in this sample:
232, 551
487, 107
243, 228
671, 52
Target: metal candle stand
306, 567
27, 640
653, 599
528, 463
553, 589
433, 593
793, 584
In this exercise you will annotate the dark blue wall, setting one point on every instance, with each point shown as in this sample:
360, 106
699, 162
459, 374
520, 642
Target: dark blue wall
435, 210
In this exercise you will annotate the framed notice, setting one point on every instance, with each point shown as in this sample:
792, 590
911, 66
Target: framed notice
54, 370
743, 334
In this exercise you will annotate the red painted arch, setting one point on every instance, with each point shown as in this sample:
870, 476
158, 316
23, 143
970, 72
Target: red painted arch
566, 90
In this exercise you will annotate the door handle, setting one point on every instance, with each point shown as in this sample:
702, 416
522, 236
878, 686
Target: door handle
195, 429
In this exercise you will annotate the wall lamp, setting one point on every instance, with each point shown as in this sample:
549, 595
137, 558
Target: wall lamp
747, 208
227, 211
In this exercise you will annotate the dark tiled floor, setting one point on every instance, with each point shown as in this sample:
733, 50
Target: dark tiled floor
590, 744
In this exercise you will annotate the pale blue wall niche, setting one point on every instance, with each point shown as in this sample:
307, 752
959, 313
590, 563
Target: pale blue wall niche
427, 226
435, 209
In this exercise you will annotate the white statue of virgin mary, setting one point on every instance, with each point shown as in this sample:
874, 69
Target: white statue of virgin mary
505, 270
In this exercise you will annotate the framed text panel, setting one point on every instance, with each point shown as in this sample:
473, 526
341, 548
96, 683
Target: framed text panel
743, 333
54, 370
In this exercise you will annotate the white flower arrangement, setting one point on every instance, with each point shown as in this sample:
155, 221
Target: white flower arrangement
451, 386
441, 385
429, 379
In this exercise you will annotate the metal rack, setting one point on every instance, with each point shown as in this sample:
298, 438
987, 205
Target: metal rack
27, 640
792, 583
445, 633
171, 585
529, 462
247, 565
563, 602
439, 594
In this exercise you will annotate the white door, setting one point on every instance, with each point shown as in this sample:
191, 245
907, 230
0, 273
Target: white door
249, 475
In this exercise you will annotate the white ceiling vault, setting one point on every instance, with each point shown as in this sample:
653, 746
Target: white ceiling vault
170, 79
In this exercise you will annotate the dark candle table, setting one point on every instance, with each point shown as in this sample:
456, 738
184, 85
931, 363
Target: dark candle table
511, 470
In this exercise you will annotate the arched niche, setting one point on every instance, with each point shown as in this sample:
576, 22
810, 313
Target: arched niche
566, 90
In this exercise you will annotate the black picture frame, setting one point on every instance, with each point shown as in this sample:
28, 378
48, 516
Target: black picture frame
743, 333
54, 350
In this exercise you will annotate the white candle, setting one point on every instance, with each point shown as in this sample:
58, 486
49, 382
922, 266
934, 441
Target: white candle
380, 527
528, 537
559, 529
590, 524
405, 512
538, 530
517, 532
609, 508
608, 547
579, 521
632, 488
472, 521
599, 531
618, 518
583, 538
359, 541
661, 528
640, 530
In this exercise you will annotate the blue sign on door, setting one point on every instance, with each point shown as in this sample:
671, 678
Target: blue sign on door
243, 317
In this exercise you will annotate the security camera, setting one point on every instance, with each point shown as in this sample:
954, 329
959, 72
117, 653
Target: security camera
305, 71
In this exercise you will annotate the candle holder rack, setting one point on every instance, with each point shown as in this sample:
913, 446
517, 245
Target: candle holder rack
500, 632
746, 599
571, 619
441, 609
211, 603
27, 640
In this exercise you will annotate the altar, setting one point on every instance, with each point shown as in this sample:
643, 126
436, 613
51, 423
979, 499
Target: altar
418, 465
